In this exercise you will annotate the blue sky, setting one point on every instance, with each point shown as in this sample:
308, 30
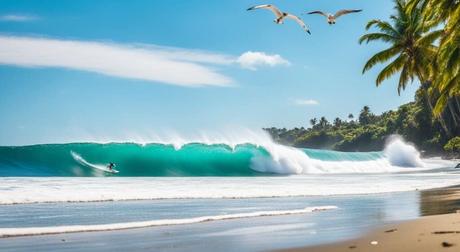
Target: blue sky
85, 69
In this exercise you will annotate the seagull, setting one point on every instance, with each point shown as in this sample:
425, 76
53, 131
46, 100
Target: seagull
331, 19
280, 16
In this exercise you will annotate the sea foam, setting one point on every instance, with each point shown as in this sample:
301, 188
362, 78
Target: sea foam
400, 153
50, 190
397, 156
28, 231
246, 153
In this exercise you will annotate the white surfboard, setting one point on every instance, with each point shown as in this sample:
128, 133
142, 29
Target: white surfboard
82, 161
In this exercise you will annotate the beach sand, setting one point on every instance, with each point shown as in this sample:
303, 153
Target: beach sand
426, 234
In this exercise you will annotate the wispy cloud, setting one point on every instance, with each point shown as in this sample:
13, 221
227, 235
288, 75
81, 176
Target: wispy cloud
169, 65
17, 18
253, 60
151, 63
306, 102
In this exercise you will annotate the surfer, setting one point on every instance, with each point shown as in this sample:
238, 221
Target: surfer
111, 166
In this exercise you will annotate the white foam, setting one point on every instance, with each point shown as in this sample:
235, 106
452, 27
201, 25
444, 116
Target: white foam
41, 190
11, 232
82, 161
398, 157
289, 160
403, 154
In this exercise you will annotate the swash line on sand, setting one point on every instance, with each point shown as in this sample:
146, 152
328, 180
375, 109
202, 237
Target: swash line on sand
29, 231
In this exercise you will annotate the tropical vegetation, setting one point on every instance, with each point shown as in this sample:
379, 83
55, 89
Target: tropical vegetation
424, 44
453, 146
369, 132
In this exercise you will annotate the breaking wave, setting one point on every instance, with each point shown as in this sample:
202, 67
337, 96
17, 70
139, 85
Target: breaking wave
257, 157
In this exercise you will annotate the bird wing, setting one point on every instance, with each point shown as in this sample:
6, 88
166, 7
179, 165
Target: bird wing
318, 12
344, 12
271, 7
299, 21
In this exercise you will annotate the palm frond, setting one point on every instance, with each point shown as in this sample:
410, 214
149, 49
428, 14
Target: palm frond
391, 69
377, 36
441, 103
384, 27
404, 78
429, 38
381, 57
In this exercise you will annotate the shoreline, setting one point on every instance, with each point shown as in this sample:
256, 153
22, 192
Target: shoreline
425, 234
434, 230
356, 216
55, 230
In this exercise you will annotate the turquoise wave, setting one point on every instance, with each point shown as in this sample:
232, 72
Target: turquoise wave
327, 155
133, 160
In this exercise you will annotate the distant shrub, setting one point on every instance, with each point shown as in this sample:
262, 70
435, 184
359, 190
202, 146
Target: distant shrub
453, 145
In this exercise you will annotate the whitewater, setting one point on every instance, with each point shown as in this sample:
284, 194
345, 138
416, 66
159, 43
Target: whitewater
12, 232
210, 169
258, 157
58, 188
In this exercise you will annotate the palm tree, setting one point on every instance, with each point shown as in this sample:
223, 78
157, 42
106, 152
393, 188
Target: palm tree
365, 116
447, 63
446, 82
313, 122
412, 48
436, 10
323, 122
337, 122
366, 110
351, 116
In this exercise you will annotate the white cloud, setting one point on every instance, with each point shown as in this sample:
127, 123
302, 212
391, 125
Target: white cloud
197, 56
175, 66
253, 60
17, 18
306, 102
144, 62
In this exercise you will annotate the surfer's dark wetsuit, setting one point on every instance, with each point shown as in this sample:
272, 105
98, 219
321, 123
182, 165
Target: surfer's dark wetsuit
110, 166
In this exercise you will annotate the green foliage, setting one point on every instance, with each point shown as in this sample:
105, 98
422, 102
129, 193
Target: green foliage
411, 45
318, 139
445, 14
423, 38
414, 121
366, 117
453, 145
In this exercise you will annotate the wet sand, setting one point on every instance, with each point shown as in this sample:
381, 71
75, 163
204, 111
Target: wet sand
436, 231
426, 234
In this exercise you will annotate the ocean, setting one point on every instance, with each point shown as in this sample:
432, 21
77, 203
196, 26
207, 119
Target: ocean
56, 189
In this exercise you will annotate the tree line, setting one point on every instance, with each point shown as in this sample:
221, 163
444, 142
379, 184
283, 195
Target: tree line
424, 45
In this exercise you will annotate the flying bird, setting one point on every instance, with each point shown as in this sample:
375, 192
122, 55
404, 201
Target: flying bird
280, 16
331, 19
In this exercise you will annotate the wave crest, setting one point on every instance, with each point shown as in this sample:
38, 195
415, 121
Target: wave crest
212, 157
400, 153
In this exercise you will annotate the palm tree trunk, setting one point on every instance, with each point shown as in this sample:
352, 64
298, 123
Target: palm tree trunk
442, 122
455, 107
451, 109
457, 103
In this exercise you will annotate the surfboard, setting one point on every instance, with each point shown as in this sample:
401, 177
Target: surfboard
82, 161
105, 169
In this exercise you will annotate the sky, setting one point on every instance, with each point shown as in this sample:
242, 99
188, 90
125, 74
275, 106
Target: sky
109, 70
